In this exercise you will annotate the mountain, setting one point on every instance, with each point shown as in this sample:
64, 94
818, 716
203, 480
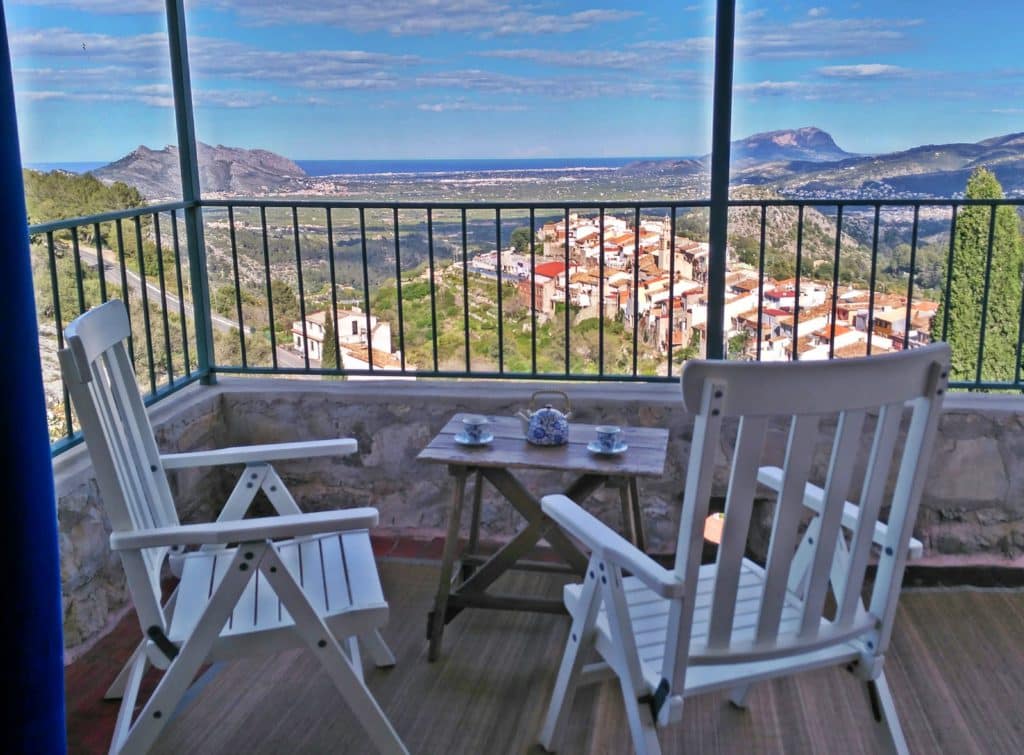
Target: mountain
808, 144
221, 170
928, 170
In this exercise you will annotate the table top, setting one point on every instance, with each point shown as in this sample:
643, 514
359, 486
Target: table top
645, 456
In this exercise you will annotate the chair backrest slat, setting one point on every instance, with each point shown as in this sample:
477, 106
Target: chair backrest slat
136, 496
738, 506
792, 614
876, 474
837, 488
803, 436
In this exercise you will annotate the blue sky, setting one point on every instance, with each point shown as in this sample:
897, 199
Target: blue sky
493, 78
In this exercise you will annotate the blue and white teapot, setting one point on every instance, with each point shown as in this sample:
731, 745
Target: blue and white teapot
546, 426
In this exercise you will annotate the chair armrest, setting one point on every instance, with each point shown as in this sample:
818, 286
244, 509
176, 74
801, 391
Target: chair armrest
611, 545
814, 499
261, 453
246, 530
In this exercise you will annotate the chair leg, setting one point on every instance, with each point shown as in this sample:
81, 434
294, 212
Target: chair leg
887, 705
323, 644
642, 726
129, 693
378, 649
117, 689
578, 643
354, 657
738, 696
193, 652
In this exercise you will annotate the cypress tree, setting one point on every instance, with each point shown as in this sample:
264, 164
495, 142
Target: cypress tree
330, 352
965, 290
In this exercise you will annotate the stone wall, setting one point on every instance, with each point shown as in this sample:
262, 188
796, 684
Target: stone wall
973, 507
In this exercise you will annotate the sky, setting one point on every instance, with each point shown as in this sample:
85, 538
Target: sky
403, 79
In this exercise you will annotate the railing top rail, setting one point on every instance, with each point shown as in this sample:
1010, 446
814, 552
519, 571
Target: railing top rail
356, 204
105, 217
837, 202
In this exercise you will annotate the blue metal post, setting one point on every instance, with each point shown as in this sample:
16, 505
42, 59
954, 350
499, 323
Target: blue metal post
188, 160
33, 645
721, 130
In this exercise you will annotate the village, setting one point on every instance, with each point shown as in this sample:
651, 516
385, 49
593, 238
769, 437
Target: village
669, 305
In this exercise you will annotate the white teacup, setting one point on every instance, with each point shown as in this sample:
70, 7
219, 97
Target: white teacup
475, 427
609, 437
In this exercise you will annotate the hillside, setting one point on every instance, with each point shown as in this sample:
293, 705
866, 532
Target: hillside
228, 170
928, 170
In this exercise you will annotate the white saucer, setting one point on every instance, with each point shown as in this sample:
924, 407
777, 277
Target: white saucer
463, 440
595, 447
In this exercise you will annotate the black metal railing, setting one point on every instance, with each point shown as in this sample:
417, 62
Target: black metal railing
542, 290
133, 255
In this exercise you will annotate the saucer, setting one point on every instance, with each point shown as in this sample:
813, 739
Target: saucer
463, 440
595, 447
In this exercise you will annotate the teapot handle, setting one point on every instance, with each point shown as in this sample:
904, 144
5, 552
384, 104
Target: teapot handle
563, 394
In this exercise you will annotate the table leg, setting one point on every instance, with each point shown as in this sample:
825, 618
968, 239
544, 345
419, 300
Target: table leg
467, 569
436, 618
638, 516
628, 520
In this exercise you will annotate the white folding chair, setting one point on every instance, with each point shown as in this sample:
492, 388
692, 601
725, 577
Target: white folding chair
253, 585
668, 634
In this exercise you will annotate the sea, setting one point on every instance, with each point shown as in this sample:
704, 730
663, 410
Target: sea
395, 167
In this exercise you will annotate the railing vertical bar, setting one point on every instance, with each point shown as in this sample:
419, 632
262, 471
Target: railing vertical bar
636, 288
567, 323
501, 309
760, 282
984, 295
366, 286
433, 297
124, 286
270, 286
465, 290
176, 245
796, 288
101, 266
143, 286
1020, 341
671, 285
333, 314
600, 292
949, 275
835, 281
398, 288
58, 321
163, 296
910, 277
77, 257
302, 289
533, 291
238, 284
873, 277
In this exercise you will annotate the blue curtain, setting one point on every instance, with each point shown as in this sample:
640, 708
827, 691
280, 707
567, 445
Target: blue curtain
33, 649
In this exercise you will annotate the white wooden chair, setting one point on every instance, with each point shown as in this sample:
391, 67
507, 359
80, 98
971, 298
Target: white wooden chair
668, 634
253, 586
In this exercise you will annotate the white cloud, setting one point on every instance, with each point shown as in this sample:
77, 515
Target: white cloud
817, 12
463, 105
865, 71
414, 17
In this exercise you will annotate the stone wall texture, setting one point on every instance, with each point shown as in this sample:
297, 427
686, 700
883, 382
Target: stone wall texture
973, 504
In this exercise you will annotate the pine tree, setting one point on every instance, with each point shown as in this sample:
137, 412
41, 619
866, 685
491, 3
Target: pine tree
966, 288
330, 352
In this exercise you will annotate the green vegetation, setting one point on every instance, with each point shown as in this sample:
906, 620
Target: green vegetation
517, 330
967, 286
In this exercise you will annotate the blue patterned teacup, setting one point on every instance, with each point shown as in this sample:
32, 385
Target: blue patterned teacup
608, 437
475, 427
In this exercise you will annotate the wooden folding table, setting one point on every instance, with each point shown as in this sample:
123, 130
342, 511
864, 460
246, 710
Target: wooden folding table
496, 462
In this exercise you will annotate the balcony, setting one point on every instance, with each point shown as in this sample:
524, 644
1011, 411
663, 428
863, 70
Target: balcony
480, 330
